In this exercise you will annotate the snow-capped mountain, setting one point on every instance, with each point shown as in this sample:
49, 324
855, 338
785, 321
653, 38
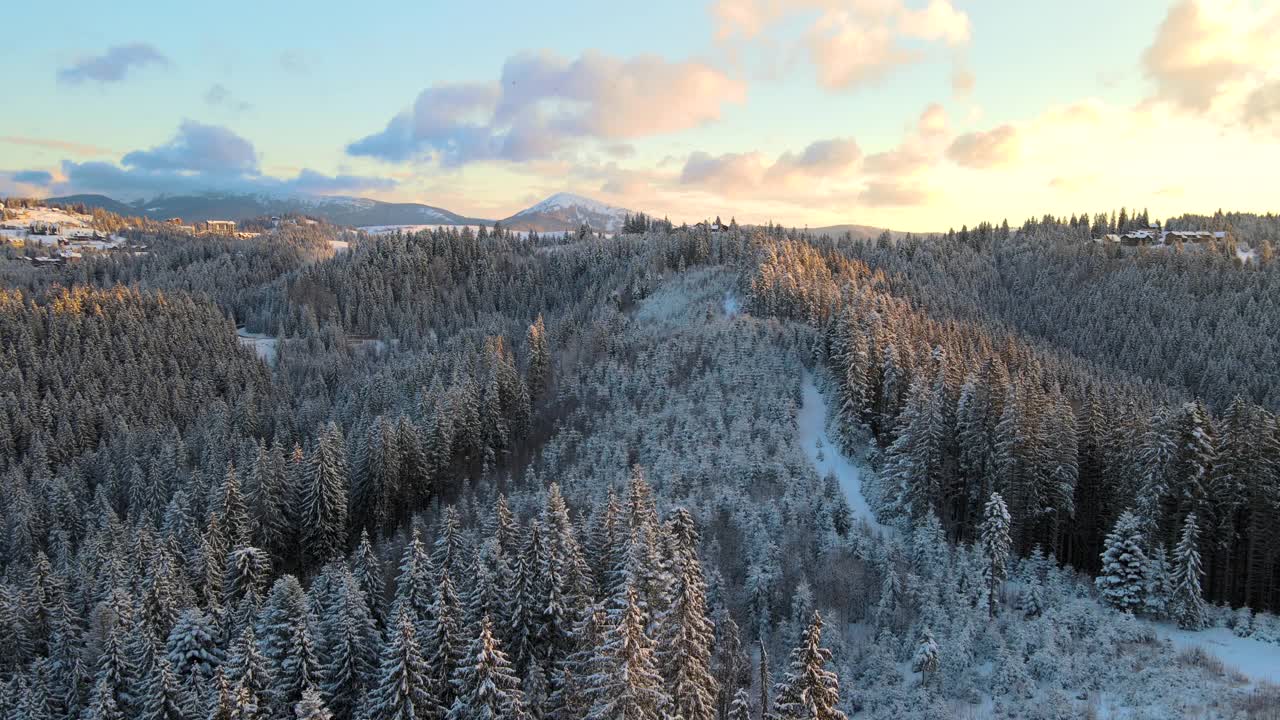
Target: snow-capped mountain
338, 210
564, 212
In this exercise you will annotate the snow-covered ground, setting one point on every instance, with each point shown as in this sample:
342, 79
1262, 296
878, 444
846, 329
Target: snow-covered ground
263, 344
1246, 253
340, 245
1259, 660
731, 305
74, 229
825, 455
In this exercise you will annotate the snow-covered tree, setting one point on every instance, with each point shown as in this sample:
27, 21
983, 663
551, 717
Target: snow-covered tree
1188, 600
995, 549
484, 686
809, 691
1123, 579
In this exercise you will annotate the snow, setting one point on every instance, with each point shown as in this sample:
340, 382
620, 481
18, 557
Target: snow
1246, 253
825, 455
340, 245
1257, 659
411, 229
74, 229
731, 305
263, 344
567, 201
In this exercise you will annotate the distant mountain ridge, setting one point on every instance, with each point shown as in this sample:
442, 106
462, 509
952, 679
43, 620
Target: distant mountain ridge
219, 206
566, 212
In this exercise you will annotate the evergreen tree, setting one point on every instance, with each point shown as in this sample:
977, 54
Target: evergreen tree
740, 709
403, 691
810, 691
995, 549
484, 685
1123, 578
311, 707
685, 634
627, 685
1189, 605
324, 497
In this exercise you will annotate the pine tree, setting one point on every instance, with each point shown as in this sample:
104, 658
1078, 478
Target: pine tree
995, 549
1189, 605
162, 698
403, 691
627, 685
484, 685
740, 709
349, 648
324, 498
311, 707
539, 374
685, 634
1123, 578
809, 691
925, 660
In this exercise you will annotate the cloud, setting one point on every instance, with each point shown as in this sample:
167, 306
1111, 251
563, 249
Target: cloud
199, 148
939, 20
849, 53
820, 159
851, 43
293, 61
892, 194
59, 145
1207, 50
993, 148
963, 80
729, 172
203, 158
219, 96
1073, 183
1263, 105
544, 103
113, 65
32, 177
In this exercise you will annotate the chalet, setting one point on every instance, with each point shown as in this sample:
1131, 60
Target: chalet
226, 227
1135, 238
1192, 235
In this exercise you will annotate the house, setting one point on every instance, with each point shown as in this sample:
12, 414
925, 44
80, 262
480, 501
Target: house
174, 221
225, 227
1141, 237
1192, 235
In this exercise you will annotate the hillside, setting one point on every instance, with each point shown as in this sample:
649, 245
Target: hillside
222, 206
566, 212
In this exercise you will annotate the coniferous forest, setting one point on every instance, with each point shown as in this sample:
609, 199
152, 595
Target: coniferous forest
458, 475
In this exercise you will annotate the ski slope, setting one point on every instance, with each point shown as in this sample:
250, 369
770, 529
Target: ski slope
825, 455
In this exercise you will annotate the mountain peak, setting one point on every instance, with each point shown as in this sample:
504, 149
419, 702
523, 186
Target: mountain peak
564, 212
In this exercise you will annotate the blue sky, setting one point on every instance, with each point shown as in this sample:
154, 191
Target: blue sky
729, 116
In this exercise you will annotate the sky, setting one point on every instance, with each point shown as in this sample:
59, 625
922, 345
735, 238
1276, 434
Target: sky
911, 114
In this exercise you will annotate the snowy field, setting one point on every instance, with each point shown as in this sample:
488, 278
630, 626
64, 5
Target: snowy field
264, 345
1259, 660
74, 229
825, 455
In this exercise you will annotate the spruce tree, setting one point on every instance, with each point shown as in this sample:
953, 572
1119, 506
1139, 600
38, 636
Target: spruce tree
484, 685
324, 498
403, 691
1189, 605
810, 691
1123, 578
627, 685
995, 549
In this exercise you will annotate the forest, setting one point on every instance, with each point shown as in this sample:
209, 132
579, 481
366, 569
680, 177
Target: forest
486, 475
